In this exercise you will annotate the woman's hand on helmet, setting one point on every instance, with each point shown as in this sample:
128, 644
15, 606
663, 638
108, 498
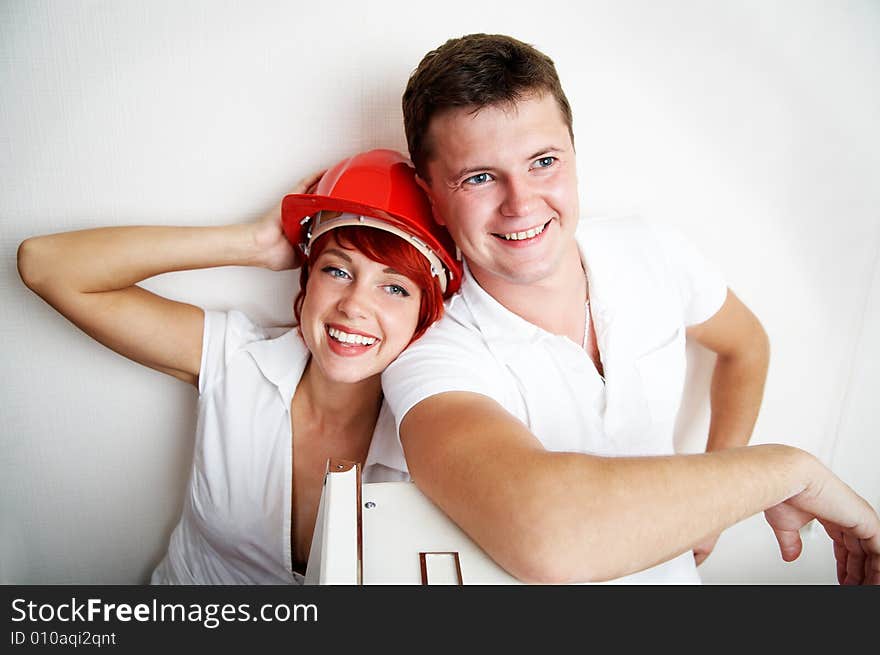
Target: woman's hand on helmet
276, 252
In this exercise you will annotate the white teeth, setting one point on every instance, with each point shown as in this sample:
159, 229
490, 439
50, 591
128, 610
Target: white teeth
345, 337
528, 234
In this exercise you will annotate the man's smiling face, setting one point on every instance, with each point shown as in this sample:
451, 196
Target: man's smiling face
503, 181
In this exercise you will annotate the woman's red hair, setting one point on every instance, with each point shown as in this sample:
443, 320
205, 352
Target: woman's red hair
384, 248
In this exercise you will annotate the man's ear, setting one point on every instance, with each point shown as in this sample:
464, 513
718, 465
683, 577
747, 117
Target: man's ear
426, 187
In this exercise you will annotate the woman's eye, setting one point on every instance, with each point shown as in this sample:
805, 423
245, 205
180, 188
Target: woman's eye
476, 180
332, 271
545, 162
396, 290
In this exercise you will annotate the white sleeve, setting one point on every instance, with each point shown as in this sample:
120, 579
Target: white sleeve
224, 334
700, 285
448, 357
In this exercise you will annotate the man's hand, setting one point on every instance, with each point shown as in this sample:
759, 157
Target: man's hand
276, 252
703, 549
848, 519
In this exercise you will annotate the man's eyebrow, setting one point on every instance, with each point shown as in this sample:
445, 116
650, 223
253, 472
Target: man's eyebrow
479, 169
467, 171
543, 152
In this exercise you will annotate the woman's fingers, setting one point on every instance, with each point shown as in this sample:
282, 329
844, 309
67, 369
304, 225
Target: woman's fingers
308, 183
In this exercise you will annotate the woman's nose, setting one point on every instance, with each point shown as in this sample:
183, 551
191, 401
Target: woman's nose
353, 302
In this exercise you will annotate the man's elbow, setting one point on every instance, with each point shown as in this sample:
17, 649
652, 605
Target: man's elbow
546, 553
547, 568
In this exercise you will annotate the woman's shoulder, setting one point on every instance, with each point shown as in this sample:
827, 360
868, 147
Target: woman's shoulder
235, 328
230, 335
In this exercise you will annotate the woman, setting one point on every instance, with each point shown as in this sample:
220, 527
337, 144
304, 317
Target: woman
272, 407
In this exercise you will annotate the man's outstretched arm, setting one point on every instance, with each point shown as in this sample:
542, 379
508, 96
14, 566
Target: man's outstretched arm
557, 517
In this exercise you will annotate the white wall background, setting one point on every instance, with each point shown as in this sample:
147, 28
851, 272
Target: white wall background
753, 126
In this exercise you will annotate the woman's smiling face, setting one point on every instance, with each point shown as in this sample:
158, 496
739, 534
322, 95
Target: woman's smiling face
358, 315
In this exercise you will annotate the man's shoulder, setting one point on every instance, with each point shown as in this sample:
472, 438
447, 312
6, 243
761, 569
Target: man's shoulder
457, 329
452, 355
451, 347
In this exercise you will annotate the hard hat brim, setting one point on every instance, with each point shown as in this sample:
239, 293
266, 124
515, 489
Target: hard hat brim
295, 208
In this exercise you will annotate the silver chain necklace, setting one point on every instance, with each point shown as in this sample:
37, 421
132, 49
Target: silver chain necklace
586, 324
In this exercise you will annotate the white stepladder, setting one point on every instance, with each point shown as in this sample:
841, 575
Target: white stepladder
390, 533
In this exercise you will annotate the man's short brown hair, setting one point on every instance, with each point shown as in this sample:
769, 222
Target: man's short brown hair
477, 70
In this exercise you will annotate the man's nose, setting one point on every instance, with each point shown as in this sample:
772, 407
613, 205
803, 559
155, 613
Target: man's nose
519, 197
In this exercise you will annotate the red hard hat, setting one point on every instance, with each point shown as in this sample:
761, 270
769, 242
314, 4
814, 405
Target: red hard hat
374, 189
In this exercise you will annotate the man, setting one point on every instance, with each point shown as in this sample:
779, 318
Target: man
538, 414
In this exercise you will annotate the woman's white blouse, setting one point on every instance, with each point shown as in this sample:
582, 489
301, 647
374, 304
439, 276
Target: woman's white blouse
236, 521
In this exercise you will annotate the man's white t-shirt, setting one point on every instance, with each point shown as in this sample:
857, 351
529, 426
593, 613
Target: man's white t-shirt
646, 285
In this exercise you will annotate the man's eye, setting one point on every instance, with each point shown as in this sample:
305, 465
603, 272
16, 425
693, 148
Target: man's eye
479, 178
545, 162
396, 290
332, 271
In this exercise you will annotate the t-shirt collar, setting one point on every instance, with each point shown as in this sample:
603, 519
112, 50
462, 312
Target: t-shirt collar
497, 323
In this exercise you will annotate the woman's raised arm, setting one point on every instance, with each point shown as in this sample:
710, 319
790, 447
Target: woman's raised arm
91, 276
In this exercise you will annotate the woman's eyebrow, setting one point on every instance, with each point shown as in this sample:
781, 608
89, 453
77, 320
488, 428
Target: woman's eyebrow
341, 254
338, 253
